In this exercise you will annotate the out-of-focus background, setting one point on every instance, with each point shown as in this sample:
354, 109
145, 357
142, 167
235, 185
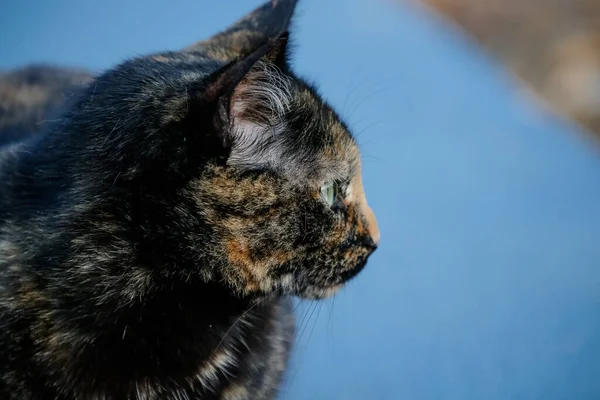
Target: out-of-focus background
476, 119
553, 46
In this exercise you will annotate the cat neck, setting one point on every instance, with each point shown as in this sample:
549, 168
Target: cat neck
195, 331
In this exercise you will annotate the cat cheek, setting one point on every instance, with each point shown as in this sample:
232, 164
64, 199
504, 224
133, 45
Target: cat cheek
239, 259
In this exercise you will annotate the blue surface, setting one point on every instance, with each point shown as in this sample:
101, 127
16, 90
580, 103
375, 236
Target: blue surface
486, 285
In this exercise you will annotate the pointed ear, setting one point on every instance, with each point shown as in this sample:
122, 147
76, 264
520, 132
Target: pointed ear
245, 100
269, 21
247, 94
222, 83
278, 53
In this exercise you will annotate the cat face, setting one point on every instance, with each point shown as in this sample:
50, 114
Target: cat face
267, 178
289, 205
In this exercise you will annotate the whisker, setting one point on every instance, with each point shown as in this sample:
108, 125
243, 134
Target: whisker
303, 319
312, 307
302, 328
359, 134
48, 120
312, 330
330, 321
239, 319
367, 98
373, 158
382, 84
297, 305
352, 92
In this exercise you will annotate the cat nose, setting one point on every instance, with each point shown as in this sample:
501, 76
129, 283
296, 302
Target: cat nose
375, 235
372, 227
371, 239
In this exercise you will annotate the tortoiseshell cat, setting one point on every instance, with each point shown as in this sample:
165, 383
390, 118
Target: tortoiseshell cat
150, 240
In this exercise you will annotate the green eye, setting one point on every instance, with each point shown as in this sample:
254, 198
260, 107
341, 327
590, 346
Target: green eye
329, 192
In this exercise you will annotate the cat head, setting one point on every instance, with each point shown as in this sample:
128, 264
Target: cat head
264, 165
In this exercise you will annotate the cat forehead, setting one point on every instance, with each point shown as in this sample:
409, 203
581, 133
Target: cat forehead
301, 135
337, 141
336, 152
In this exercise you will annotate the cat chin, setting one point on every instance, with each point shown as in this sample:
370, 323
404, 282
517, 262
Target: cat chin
320, 293
286, 286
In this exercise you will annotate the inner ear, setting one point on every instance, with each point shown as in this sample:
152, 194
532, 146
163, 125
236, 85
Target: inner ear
235, 104
248, 90
223, 82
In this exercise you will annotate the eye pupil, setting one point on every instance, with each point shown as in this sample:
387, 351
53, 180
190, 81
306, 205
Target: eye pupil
329, 193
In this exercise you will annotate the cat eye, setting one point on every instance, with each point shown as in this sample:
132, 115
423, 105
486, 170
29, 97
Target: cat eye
329, 191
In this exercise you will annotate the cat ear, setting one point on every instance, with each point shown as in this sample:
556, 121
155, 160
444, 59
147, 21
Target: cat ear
258, 108
269, 21
250, 98
245, 71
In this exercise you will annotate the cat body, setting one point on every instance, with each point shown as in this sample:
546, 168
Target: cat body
152, 234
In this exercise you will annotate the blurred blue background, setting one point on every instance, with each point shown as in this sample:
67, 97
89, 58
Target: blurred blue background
487, 281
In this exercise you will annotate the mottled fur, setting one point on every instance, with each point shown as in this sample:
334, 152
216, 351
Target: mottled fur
151, 238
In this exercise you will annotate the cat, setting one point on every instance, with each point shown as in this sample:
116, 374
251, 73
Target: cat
153, 234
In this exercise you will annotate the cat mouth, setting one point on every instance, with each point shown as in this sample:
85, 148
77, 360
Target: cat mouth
349, 273
352, 272
326, 290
